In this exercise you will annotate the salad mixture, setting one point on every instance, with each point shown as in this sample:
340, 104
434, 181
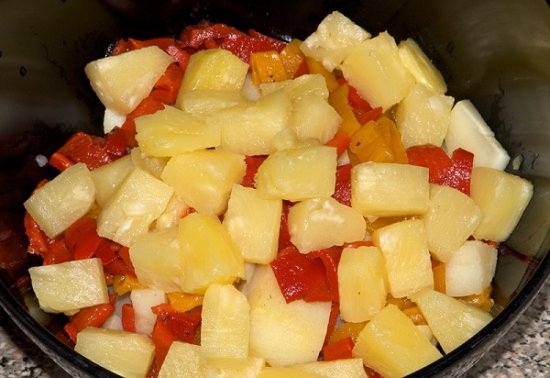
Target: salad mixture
265, 208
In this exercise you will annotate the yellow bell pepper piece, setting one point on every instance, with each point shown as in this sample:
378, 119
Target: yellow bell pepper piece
183, 302
123, 284
378, 141
338, 99
347, 329
267, 67
482, 300
292, 58
315, 67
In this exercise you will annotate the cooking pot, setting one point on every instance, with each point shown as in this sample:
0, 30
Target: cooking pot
493, 52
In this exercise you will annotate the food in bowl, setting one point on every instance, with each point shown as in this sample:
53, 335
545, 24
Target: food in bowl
261, 207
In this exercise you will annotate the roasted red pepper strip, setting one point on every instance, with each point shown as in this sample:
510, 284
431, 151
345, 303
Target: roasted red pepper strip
340, 141
338, 350
300, 277
128, 318
452, 171
183, 325
85, 148
284, 234
342, 192
163, 338
149, 105
82, 239
167, 86
93, 316
252, 165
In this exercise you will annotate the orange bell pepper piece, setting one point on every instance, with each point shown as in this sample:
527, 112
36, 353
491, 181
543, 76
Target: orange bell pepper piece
183, 302
315, 67
267, 67
338, 99
293, 59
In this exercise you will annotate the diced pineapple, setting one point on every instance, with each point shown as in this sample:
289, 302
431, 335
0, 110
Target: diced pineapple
63, 200
451, 218
209, 254
391, 345
348, 367
423, 116
142, 302
303, 86
375, 69
502, 198
213, 69
203, 179
451, 321
122, 81
125, 353
405, 248
253, 222
249, 129
471, 269
108, 178
469, 131
420, 66
58, 287
389, 189
157, 260
203, 101
283, 333
225, 325
288, 174
332, 40
139, 200
314, 118
320, 223
247, 367
182, 360
362, 285
286, 372
171, 131
151, 164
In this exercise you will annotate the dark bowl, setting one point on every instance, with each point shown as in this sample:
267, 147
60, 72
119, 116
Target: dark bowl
494, 52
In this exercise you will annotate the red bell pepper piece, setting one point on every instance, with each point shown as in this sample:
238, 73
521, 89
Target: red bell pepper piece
300, 277
128, 317
252, 165
115, 142
284, 234
85, 148
149, 105
167, 86
163, 338
82, 239
93, 316
342, 191
338, 350
460, 174
341, 141
183, 325
330, 257
38, 241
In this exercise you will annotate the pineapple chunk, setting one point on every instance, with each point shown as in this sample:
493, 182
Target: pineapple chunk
253, 222
348, 367
58, 287
362, 286
288, 174
389, 189
125, 353
502, 198
225, 326
471, 269
283, 333
108, 178
469, 131
248, 367
203, 179
171, 131
122, 81
320, 223
420, 66
151, 164
423, 117
63, 200
142, 302
451, 218
248, 129
209, 254
182, 360
204, 101
405, 248
213, 69
334, 37
308, 85
175, 210
391, 345
375, 69
286, 372
112, 119
157, 260
451, 321
137, 203
314, 118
